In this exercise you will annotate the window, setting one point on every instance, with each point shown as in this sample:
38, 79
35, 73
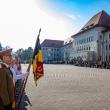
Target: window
109, 36
77, 42
109, 57
100, 57
106, 47
106, 58
91, 38
87, 40
84, 40
84, 47
100, 37
80, 48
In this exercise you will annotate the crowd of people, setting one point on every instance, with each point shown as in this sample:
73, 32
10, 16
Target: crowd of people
11, 79
97, 64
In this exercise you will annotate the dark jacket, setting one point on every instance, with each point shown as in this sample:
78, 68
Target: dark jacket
6, 85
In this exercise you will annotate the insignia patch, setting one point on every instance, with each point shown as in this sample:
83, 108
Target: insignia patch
39, 69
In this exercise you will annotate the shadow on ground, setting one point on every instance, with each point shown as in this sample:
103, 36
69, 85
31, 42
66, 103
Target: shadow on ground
24, 103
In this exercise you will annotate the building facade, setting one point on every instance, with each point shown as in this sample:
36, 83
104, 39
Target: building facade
68, 50
52, 51
91, 43
105, 46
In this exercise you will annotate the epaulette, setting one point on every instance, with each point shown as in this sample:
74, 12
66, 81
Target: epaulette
3, 66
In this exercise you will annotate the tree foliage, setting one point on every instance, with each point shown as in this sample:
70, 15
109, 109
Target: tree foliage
0, 46
25, 54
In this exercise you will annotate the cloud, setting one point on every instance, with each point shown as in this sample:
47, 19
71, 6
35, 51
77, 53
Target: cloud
72, 16
79, 16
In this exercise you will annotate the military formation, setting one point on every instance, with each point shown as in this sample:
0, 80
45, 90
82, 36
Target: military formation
11, 79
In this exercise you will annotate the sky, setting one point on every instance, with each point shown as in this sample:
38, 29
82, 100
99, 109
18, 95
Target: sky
20, 20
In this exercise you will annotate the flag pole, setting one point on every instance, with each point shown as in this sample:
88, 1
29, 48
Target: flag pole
28, 70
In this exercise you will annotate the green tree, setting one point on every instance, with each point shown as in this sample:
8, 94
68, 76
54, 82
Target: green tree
19, 53
25, 55
0, 46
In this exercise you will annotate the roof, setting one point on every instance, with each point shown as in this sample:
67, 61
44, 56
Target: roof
52, 43
100, 19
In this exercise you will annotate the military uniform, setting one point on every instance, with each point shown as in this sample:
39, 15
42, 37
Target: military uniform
6, 87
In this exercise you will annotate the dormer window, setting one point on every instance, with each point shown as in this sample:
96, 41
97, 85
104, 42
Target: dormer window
91, 24
70, 41
83, 29
65, 42
87, 27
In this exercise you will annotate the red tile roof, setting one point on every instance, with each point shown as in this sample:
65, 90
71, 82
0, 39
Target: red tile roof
100, 19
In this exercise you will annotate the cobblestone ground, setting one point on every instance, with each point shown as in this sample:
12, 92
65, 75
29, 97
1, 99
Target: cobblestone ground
67, 87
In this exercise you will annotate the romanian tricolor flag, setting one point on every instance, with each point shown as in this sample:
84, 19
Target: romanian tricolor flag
38, 61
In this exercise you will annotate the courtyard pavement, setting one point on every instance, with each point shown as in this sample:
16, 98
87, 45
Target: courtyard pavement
68, 87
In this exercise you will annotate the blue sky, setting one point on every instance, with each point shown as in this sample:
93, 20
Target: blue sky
81, 10
20, 20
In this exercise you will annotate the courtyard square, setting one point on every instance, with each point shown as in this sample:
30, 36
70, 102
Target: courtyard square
68, 87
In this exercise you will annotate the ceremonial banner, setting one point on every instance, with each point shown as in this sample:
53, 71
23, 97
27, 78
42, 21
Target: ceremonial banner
38, 61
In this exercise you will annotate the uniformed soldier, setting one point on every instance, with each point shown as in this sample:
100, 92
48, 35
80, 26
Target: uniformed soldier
6, 82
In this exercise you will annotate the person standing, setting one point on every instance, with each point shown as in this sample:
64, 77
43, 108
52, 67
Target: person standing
16, 70
6, 81
18, 76
17, 65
